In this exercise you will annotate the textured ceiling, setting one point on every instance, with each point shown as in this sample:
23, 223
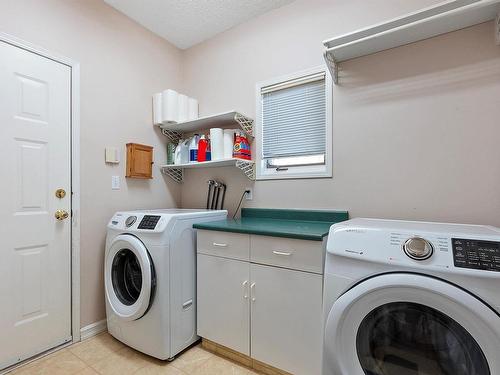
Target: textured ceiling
188, 22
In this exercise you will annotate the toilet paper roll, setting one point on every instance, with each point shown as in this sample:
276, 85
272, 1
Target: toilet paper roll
157, 108
169, 107
228, 143
217, 143
192, 109
183, 108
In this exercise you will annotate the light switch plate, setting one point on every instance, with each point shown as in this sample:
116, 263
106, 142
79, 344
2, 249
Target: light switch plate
111, 155
115, 182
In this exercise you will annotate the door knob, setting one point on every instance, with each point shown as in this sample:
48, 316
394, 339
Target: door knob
60, 193
61, 215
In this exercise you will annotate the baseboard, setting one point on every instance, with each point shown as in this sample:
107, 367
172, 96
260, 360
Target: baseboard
243, 359
93, 329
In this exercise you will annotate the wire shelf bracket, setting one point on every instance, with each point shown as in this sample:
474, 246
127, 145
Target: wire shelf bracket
248, 168
172, 135
175, 174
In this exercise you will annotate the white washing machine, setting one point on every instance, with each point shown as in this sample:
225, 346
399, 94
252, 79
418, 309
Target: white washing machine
150, 278
412, 298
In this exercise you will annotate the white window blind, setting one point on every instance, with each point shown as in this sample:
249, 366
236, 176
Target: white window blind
294, 118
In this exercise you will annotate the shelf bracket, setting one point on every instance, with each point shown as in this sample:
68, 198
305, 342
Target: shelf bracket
332, 65
172, 135
175, 174
245, 123
247, 168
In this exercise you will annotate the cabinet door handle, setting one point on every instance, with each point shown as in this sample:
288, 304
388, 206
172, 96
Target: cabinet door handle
245, 289
252, 291
281, 253
216, 244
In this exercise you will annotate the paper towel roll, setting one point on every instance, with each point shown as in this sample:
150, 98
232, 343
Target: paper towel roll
183, 108
192, 109
169, 107
157, 108
217, 143
228, 143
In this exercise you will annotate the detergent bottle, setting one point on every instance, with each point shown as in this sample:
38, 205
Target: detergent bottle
193, 148
202, 149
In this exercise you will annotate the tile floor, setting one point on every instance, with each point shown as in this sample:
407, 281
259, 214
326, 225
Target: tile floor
104, 355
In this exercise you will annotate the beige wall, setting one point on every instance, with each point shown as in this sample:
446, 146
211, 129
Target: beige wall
415, 130
122, 64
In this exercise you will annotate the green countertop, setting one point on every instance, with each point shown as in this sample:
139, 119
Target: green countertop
300, 224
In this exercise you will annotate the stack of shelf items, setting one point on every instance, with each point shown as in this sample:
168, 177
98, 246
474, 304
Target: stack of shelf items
439, 19
175, 132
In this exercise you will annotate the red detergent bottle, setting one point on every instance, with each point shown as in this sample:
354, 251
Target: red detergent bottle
202, 149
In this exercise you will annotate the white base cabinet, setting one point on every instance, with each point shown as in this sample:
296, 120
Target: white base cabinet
223, 314
269, 312
286, 325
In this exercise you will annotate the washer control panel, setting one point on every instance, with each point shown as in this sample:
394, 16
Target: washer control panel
149, 222
476, 254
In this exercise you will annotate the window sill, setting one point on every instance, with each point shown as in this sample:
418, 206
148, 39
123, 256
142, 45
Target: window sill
294, 173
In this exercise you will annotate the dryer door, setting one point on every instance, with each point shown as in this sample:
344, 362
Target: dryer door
408, 324
129, 277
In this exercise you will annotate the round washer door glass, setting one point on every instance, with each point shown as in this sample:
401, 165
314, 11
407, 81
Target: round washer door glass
410, 324
126, 276
403, 338
129, 277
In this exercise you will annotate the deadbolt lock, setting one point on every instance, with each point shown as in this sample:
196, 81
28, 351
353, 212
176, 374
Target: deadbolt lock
61, 215
60, 193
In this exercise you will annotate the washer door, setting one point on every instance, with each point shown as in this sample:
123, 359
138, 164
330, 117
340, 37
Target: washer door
129, 277
408, 324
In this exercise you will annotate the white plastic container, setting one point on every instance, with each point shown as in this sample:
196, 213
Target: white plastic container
181, 155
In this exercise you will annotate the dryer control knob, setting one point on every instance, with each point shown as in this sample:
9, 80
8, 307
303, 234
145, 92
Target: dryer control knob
418, 248
130, 221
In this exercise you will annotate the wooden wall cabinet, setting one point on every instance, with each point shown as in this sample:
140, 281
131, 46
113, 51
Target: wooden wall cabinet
139, 161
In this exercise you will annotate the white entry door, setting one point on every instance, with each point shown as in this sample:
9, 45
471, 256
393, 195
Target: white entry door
35, 247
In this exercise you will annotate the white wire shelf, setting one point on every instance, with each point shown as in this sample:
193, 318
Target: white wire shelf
221, 120
175, 171
439, 19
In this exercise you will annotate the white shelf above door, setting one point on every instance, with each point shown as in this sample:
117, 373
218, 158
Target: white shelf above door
439, 19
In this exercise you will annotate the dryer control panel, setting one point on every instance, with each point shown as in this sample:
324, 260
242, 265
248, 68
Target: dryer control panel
149, 222
476, 254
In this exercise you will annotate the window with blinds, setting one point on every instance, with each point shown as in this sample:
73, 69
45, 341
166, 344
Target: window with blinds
294, 125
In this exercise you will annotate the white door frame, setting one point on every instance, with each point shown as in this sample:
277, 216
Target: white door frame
75, 170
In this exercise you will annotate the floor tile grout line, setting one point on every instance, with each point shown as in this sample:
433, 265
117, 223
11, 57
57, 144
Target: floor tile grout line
140, 359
